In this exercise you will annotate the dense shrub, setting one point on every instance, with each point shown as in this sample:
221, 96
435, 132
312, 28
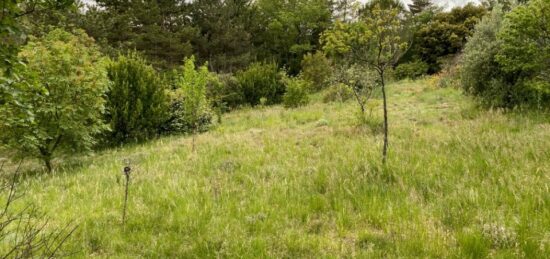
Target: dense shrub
137, 104
58, 106
296, 94
525, 51
316, 69
411, 70
228, 90
504, 61
480, 74
261, 80
338, 93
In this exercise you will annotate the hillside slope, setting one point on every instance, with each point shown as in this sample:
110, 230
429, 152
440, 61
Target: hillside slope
308, 182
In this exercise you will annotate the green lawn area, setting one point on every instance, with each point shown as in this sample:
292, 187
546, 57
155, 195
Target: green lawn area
308, 182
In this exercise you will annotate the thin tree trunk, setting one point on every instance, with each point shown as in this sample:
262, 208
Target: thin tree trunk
385, 150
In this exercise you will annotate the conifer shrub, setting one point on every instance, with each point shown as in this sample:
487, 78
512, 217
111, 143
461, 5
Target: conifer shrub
137, 103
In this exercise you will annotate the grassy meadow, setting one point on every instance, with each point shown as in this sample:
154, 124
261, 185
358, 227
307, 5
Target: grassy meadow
271, 182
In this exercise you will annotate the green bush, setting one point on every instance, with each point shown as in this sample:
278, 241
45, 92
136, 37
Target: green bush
261, 80
190, 109
525, 51
137, 104
504, 61
316, 69
58, 105
296, 94
179, 120
411, 70
338, 93
228, 91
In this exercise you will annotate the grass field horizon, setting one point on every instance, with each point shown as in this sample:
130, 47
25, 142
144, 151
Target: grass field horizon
460, 181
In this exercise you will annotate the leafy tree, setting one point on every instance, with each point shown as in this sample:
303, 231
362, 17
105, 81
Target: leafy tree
316, 69
290, 29
261, 80
525, 50
344, 10
58, 106
376, 41
193, 83
12, 35
137, 103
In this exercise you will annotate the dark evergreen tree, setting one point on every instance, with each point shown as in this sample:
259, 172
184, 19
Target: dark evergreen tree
417, 6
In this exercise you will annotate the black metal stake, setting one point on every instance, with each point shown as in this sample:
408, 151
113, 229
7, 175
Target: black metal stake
127, 171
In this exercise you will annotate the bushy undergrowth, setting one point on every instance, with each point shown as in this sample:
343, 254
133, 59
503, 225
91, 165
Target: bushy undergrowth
261, 80
503, 62
337, 93
297, 92
411, 70
316, 68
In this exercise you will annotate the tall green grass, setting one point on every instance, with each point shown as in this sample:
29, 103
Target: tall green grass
308, 182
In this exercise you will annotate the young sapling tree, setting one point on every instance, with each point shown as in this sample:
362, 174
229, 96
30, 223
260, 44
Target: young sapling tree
193, 83
377, 40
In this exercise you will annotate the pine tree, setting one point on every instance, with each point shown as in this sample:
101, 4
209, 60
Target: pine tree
417, 6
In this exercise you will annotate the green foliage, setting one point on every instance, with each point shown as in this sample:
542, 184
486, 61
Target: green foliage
444, 34
338, 92
296, 94
58, 106
12, 36
411, 70
480, 74
505, 60
190, 110
525, 49
290, 29
224, 37
316, 69
137, 104
261, 80
229, 91
158, 29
